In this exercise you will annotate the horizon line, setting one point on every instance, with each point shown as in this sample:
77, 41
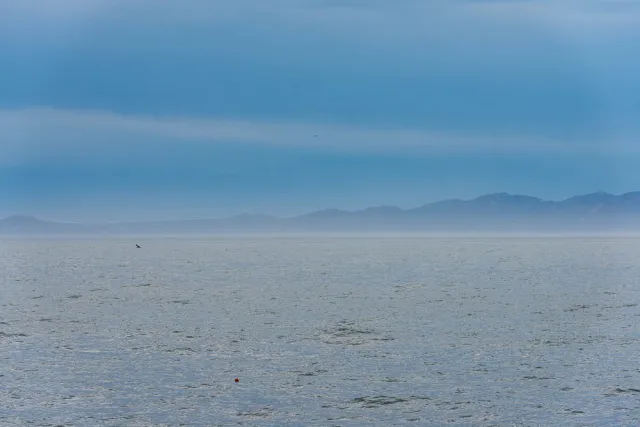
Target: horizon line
245, 214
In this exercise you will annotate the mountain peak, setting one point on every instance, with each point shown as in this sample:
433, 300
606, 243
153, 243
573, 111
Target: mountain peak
496, 211
599, 197
506, 200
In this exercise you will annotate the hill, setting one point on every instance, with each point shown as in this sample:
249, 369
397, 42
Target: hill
499, 212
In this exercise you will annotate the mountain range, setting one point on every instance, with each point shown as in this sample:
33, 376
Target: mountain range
499, 212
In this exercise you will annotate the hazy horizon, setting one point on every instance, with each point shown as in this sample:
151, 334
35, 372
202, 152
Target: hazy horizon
328, 209
179, 215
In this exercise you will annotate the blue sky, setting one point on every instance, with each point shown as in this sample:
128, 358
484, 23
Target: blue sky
113, 110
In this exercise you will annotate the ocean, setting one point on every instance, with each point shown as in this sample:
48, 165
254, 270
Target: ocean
320, 331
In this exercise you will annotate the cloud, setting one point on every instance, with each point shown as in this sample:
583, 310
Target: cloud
551, 70
50, 135
377, 25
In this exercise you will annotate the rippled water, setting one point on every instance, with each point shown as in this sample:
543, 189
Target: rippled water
320, 332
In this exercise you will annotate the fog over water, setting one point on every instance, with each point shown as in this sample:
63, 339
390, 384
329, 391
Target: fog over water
320, 331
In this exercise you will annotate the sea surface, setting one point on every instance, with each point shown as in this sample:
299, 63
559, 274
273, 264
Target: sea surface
320, 331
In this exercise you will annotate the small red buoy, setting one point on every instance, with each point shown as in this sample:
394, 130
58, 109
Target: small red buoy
237, 380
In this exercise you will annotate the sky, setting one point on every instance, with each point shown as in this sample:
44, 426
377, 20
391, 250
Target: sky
159, 109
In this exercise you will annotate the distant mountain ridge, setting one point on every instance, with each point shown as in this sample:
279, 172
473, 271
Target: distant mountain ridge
491, 212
